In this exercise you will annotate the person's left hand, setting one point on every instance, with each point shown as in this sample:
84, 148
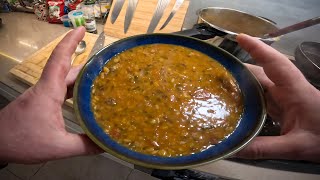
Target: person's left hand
32, 127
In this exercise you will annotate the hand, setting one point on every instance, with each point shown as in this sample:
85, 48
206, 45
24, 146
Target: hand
291, 100
32, 127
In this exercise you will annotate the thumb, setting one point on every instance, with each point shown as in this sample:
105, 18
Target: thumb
270, 147
70, 79
79, 144
72, 75
59, 63
277, 67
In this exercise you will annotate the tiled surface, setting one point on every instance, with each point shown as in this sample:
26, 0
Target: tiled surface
78, 168
24, 171
83, 168
7, 175
137, 175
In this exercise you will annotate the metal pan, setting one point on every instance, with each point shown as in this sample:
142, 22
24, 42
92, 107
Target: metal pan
307, 57
232, 22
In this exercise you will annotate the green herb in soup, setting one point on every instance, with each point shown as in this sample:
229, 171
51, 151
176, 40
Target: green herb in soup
166, 100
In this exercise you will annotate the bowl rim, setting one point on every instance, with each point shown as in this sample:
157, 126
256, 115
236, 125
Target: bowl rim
233, 151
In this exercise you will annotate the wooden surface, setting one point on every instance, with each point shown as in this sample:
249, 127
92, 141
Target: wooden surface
108, 40
29, 71
142, 17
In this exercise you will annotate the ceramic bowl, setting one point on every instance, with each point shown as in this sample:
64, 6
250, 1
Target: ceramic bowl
250, 124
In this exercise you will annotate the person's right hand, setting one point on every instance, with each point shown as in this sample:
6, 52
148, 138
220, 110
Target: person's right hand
291, 100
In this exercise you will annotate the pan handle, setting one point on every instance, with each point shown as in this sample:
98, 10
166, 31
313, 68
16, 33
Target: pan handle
196, 33
201, 31
189, 32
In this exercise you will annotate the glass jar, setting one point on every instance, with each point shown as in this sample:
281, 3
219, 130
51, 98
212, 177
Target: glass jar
89, 17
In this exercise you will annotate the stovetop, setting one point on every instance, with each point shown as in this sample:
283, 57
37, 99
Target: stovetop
218, 38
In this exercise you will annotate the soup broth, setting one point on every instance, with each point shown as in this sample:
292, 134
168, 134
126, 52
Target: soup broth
166, 100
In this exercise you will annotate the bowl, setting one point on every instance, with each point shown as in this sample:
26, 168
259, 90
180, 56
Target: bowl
307, 56
249, 126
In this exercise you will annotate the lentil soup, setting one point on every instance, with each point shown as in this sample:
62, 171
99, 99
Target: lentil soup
166, 100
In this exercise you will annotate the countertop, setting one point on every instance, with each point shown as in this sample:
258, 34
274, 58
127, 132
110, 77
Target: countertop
22, 34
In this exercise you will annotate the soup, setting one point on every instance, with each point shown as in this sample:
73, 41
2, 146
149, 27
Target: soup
166, 100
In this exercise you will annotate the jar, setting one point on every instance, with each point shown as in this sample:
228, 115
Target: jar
89, 17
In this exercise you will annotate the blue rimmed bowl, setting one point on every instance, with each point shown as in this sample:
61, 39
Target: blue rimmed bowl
250, 124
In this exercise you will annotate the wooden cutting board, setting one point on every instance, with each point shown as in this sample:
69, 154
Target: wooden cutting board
29, 71
142, 17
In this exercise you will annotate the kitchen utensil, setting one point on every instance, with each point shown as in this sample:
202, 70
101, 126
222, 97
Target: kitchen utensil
250, 124
116, 10
161, 6
223, 24
129, 14
144, 11
307, 59
173, 12
232, 22
81, 47
294, 27
98, 44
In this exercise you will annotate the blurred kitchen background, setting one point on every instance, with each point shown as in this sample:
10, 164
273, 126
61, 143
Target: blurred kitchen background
283, 13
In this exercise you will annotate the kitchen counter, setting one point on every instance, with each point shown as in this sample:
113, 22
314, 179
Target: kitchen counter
22, 34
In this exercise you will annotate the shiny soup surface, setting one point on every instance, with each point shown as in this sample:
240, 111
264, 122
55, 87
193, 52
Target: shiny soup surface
166, 100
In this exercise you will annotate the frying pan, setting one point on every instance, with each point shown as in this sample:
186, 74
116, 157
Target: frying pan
307, 57
232, 22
